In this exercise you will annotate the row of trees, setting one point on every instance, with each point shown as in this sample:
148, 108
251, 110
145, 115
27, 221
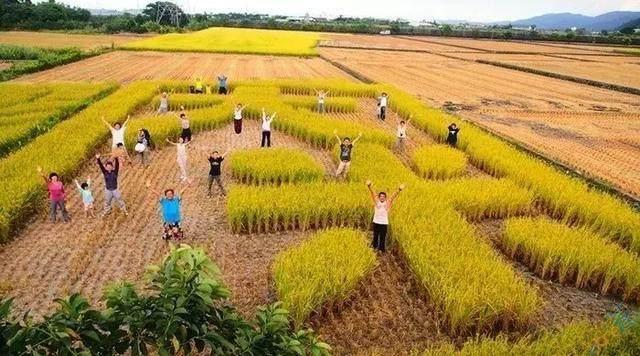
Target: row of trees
165, 16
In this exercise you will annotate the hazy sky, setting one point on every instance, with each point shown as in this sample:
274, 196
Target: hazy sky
473, 10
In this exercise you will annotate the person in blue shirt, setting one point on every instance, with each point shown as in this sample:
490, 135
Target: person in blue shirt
222, 84
170, 206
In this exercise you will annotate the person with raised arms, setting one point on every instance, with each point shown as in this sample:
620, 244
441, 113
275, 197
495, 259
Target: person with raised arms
163, 108
215, 171
237, 118
171, 207
222, 84
57, 196
84, 189
322, 95
346, 147
185, 125
117, 131
266, 128
111, 192
181, 156
381, 206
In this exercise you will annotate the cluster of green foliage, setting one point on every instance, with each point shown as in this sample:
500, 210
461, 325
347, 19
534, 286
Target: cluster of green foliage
184, 309
28, 60
49, 15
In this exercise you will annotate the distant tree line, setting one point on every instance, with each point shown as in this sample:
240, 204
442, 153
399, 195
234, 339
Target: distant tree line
164, 17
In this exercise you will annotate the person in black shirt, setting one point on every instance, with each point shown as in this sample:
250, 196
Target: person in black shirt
346, 145
111, 192
215, 173
452, 138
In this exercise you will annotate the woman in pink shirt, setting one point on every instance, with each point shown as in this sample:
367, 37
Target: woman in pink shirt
56, 196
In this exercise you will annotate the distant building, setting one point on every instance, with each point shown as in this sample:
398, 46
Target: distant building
385, 32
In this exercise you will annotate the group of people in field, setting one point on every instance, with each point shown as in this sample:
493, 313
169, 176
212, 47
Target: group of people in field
170, 201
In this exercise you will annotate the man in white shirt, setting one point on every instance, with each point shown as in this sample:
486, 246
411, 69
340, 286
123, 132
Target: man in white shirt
383, 101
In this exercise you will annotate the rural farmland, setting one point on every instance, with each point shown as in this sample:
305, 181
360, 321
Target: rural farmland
512, 238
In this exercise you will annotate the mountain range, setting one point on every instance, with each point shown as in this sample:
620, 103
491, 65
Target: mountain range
609, 21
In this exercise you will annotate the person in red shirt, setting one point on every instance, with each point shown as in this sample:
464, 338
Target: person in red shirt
56, 196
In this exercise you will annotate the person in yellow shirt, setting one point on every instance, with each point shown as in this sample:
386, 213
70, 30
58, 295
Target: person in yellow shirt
199, 87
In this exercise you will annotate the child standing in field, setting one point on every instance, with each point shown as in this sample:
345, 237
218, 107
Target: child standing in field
186, 127
215, 171
181, 157
237, 118
346, 146
87, 196
171, 206
57, 196
266, 128
222, 84
117, 132
143, 146
401, 134
383, 101
381, 205
111, 192
452, 137
164, 104
321, 97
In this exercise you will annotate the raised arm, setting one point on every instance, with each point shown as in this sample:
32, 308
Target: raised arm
77, 184
126, 121
147, 184
371, 192
335, 133
273, 116
39, 169
395, 195
357, 138
184, 189
106, 123
100, 164
225, 154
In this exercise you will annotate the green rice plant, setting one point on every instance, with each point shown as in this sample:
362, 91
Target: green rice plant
332, 104
60, 151
188, 101
573, 255
577, 338
439, 162
303, 206
325, 268
274, 166
233, 40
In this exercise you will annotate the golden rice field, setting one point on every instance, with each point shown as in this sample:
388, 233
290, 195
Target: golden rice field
491, 251
233, 40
